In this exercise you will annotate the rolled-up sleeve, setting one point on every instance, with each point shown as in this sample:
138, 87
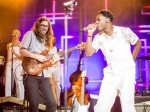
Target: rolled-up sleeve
26, 40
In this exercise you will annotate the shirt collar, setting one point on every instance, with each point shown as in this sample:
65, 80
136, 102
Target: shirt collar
114, 31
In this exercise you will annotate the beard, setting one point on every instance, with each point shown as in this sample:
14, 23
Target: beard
42, 32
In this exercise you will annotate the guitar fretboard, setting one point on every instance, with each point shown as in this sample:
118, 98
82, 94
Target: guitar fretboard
62, 53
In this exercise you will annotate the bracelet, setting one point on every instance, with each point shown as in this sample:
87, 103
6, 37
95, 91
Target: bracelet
89, 36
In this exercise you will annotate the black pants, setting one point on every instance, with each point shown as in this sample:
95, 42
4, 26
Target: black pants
32, 86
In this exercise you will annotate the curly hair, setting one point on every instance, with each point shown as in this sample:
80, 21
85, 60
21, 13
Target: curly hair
49, 33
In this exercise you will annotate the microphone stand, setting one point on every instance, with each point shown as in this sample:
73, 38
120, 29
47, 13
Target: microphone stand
68, 9
12, 72
12, 76
66, 56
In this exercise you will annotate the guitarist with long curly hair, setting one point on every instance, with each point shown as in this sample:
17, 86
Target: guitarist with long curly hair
34, 42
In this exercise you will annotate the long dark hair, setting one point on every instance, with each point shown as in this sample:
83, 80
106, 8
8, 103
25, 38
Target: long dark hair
49, 33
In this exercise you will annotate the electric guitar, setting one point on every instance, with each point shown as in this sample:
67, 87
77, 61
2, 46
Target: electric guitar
82, 107
34, 67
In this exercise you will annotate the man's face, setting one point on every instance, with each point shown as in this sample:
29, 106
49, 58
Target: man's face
43, 27
101, 22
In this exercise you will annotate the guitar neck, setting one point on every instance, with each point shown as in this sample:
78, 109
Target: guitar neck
82, 91
62, 53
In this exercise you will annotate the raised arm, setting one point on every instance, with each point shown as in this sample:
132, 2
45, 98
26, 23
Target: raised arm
89, 50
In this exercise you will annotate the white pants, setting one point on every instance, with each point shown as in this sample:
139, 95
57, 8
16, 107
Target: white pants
17, 71
123, 81
56, 81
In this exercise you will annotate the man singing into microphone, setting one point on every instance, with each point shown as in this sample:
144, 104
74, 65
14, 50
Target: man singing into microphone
119, 74
13, 62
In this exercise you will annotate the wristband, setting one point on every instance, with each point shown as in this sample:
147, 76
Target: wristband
89, 36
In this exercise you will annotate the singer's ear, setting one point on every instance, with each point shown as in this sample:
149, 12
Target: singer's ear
107, 20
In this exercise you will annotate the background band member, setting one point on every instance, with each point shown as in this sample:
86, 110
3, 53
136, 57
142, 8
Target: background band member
34, 42
119, 74
13, 48
55, 70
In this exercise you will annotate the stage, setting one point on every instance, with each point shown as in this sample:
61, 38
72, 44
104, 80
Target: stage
142, 103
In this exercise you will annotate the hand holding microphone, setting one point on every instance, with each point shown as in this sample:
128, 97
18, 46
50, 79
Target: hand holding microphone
90, 28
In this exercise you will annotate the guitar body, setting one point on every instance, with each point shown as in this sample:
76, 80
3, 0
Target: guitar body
83, 108
33, 66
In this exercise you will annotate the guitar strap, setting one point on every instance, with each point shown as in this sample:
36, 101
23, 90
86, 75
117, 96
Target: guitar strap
30, 41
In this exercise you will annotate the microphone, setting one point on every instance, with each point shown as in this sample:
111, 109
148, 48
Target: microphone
86, 28
71, 2
13, 35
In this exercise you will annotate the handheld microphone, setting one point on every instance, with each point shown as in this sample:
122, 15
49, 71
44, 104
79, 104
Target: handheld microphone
13, 35
86, 28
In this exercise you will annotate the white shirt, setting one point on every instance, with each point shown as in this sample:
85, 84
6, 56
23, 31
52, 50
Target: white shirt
116, 48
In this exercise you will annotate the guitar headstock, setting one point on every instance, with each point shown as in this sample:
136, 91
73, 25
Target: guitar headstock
83, 74
81, 46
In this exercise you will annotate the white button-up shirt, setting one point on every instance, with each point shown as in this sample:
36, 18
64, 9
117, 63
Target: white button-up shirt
116, 48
